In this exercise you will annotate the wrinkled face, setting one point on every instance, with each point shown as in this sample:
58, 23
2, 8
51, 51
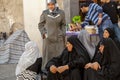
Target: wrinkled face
69, 46
51, 6
83, 9
103, 1
101, 48
106, 34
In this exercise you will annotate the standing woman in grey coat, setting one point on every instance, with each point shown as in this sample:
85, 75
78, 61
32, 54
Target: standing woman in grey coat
52, 28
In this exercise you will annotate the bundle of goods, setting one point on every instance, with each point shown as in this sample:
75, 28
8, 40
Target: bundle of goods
73, 27
91, 29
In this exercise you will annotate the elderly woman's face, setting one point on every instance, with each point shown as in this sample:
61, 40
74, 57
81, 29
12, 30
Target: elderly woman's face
69, 46
106, 34
103, 1
101, 48
51, 6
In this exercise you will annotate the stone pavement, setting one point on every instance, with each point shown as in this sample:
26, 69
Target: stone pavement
7, 72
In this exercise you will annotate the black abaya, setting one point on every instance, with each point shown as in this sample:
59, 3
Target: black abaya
109, 62
76, 60
113, 36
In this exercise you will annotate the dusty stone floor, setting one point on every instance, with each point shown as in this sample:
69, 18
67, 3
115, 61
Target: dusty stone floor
7, 72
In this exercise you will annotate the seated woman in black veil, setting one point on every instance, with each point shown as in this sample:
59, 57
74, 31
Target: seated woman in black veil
70, 64
105, 64
109, 33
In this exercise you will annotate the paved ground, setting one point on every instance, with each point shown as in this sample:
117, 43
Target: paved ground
7, 72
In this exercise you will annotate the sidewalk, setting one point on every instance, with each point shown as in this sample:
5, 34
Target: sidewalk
7, 72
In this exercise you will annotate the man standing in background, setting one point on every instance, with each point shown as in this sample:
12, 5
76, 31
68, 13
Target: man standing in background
110, 8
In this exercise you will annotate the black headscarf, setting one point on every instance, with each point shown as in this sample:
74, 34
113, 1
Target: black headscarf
112, 55
113, 37
78, 46
111, 32
77, 58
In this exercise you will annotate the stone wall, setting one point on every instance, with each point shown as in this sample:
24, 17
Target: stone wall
71, 8
60, 3
10, 11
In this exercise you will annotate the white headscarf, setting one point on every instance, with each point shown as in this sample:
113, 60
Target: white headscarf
29, 57
84, 37
51, 1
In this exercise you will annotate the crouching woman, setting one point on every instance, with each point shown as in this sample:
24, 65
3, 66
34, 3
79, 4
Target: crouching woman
30, 63
105, 64
70, 64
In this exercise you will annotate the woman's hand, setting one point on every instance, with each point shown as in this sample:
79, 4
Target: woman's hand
96, 66
89, 65
53, 69
61, 69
